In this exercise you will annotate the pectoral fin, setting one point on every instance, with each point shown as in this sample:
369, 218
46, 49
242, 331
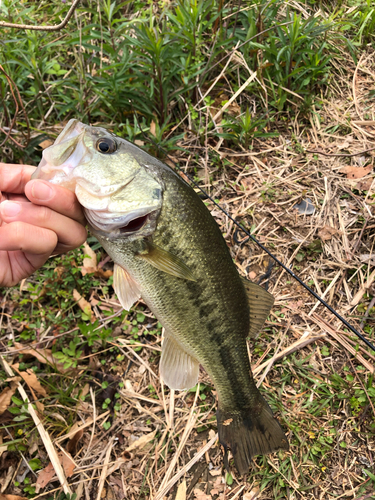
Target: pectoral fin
126, 288
166, 262
260, 303
178, 369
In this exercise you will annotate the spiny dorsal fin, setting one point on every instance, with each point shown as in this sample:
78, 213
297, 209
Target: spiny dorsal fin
165, 261
127, 290
178, 369
260, 304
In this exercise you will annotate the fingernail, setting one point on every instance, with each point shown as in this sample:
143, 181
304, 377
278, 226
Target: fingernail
10, 208
41, 190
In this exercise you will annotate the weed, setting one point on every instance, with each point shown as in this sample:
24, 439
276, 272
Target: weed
242, 129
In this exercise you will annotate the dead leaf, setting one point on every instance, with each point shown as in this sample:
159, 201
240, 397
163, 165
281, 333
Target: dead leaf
181, 491
200, 495
228, 422
48, 473
83, 304
44, 477
356, 172
2, 447
31, 380
141, 442
367, 257
346, 144
46, 143
90, 264
253, 494
71, 447
153, 128
326, 233
42, 355
90, 261
67, 462
364, 185
6, 396
100, 273
11, 497
214, 472
218, 486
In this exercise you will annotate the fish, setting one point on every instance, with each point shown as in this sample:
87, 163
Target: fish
168, 250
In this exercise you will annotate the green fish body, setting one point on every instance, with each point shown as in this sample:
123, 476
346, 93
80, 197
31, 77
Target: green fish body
169, 250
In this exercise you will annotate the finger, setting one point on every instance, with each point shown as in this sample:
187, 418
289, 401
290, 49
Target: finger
17, 197
37, 242
70, 233
13, 178
57, 198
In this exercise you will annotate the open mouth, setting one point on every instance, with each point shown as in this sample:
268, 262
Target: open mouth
134, 225
109, 222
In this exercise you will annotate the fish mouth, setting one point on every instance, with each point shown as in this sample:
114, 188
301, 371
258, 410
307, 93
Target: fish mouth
135, 224
120, 223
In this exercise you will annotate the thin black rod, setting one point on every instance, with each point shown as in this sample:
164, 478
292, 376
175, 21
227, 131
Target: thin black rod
289, 271
343, 320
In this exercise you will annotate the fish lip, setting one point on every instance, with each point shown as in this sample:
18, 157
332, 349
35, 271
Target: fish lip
117, 223
68, 129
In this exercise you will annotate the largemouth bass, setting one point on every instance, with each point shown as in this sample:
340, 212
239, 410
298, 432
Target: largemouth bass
169, 250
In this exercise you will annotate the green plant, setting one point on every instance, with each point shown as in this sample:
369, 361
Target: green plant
70, 355
243, 128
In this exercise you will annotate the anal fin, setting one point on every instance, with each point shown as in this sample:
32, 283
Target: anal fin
260, 304
127, 290
178, 369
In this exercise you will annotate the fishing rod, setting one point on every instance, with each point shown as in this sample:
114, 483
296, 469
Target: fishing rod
286, 268
251, 237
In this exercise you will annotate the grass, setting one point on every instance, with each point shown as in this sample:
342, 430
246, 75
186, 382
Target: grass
158, 73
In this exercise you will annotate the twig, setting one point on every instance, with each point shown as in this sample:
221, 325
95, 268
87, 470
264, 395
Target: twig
42, 432
58, 27
339, 337
353, 86
339, 154
18, 102
189, 427
360, 381
103, 474
274, 357
161, 494
371, 305
299, 344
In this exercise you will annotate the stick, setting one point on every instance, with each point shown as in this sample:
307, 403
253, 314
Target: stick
58, 27
43, 433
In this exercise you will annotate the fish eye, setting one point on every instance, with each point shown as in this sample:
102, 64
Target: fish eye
106, 145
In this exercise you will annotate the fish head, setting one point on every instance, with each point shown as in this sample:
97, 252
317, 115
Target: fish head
121, 196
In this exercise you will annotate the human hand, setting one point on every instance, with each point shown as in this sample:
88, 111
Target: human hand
37, 219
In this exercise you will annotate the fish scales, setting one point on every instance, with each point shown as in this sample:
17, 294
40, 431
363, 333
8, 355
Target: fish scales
211, 314
168, 249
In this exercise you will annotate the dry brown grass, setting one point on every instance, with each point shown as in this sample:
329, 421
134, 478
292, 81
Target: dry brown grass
162, 444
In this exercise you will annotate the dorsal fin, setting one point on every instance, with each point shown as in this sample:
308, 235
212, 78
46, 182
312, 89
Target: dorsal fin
260, 304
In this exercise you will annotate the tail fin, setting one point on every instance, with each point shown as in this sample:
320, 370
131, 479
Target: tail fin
248, 434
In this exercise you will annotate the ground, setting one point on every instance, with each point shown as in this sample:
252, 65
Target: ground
98, 406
